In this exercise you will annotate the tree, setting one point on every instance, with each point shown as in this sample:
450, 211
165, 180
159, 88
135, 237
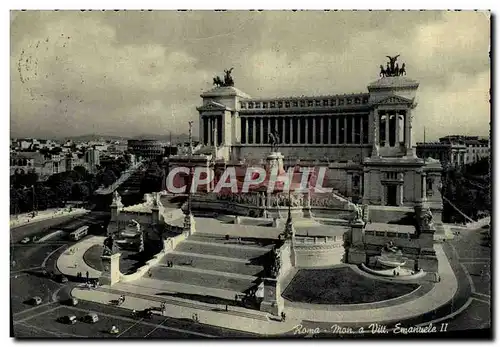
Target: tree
82, 171
63, 191
80, 191
108, 178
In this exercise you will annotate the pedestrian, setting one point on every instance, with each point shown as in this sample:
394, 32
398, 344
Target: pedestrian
226, 308
394, 272
283, 316
87, 273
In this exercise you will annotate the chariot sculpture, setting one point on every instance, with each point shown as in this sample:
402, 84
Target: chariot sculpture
392, 68
226, 82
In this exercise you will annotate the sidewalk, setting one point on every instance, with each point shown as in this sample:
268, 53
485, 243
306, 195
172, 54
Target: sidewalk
70, 264
26, 218
218, 318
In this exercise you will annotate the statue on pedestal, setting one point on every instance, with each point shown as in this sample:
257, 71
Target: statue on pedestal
116, 198
426, 216
273, 141
358, 213
276, 263
108, 246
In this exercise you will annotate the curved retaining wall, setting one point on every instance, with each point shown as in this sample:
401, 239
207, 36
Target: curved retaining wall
322, 252
417, 275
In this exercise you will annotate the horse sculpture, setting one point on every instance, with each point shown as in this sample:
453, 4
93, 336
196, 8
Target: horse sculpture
226, 82
382, 71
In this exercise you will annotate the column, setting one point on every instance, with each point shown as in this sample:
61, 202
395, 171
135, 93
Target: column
424, 186
210, 131
407, 118
397, 129
291, 129
321, 139
307, 130
314, 129
361, 134
254, 129
337, 130
262, 130
387, 117
201, 131
247, 129
345, 129
353, 131
216, 128
283, 136
329, 140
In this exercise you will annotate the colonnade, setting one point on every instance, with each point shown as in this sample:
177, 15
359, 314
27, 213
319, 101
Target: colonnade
393, 129
328, 129
211, 127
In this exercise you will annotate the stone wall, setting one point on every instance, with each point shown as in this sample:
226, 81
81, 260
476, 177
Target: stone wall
320, 251
309, 151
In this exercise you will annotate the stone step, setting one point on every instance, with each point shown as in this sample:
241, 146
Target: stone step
228, 266
231, 244
211, 272
202, 279
210, 256
233, 240
214, 249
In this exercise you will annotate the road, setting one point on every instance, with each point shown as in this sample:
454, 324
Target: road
27, 281
475, 258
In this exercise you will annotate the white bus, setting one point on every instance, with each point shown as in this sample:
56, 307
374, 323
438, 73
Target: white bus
79, 233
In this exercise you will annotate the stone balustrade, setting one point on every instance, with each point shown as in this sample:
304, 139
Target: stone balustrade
307, 102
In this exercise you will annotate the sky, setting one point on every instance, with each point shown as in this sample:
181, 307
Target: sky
131, 73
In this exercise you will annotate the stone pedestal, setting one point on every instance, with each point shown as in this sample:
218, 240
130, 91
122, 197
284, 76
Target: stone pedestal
357, 233
237, 220
111, 273
356, 255
275, 160
272, 302
189, 224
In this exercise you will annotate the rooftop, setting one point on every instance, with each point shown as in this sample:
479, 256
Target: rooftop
393, 82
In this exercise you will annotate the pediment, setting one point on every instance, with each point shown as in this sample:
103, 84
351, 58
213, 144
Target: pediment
394, 100
215, 105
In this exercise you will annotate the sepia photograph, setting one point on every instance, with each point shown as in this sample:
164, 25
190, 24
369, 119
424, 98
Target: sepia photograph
250, 174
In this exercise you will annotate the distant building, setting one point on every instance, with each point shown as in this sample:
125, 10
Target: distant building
455, 150
43, 165
148, 149
92, 159
20, 164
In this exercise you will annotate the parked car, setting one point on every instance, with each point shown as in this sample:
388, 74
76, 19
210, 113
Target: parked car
25, 240
36, 300
68, 320
91, 317
72, 302
62, 279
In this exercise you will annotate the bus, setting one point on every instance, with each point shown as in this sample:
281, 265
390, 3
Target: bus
79, 233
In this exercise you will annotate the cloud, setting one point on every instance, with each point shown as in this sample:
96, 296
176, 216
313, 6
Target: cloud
127, 73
